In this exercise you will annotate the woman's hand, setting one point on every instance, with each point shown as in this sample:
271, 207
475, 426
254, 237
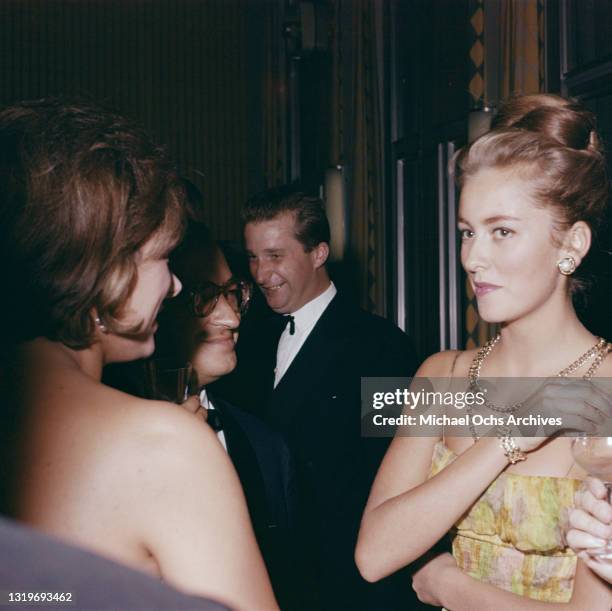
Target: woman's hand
428, 582
591, 525
192, 404
579, 405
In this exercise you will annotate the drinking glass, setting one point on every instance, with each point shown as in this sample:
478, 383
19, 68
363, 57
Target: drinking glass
168, 379
594, 455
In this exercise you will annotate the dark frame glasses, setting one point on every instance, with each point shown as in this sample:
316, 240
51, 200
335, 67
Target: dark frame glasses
205, 296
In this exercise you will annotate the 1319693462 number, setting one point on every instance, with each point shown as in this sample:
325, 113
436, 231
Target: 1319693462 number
38, 597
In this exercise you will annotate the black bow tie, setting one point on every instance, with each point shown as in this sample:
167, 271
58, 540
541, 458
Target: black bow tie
291, 321
214, 420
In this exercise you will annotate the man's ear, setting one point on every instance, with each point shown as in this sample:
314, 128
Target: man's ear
577, 241
320, 254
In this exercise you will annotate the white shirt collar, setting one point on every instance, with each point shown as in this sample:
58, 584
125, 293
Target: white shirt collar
310, 312
305, 320
206, 403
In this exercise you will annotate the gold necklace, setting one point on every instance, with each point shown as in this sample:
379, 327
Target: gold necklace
598, 352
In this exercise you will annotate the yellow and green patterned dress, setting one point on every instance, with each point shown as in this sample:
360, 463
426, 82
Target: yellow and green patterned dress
513, 536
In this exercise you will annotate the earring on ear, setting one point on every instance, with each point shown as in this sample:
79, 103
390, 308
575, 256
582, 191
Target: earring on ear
567, 266
100, 323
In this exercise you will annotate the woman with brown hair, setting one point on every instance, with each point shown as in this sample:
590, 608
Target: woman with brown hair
533, 193
89, 210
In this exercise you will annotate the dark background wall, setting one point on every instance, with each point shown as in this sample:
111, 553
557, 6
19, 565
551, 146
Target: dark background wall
585, 65
431, 71
189, 70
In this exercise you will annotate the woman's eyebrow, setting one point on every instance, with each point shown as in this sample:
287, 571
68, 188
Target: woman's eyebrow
492, 219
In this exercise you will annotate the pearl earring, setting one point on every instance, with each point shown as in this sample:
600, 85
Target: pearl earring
567, 266
99, 322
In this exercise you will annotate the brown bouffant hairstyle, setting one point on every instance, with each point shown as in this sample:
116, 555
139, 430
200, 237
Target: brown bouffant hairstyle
311, 224
553, 143
81, 191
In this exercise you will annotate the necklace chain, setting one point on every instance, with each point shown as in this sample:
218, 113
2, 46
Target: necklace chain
598, 352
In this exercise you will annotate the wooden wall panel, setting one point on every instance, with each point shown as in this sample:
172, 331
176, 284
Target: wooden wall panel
179, 67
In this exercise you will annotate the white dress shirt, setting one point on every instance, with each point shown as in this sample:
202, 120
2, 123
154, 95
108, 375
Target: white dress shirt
206, 403
304, 319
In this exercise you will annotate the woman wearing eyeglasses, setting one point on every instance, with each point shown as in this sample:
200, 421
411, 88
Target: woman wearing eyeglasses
89, 211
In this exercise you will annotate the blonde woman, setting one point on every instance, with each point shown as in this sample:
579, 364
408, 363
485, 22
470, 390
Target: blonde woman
533, 192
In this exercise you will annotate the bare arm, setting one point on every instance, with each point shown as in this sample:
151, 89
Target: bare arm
448, 586
197, 525
402, 495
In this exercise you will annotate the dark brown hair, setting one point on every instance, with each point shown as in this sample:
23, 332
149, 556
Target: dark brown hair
553, 143
311, 224
81, 191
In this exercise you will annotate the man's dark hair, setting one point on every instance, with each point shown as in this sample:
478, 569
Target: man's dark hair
311, 224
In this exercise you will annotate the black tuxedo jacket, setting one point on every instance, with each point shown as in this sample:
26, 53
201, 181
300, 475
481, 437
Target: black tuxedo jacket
267, 475
317, 408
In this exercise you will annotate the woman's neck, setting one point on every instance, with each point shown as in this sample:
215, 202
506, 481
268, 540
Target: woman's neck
541, 343
89, 360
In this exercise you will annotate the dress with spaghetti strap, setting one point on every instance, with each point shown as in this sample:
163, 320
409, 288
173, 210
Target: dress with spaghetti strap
512, 537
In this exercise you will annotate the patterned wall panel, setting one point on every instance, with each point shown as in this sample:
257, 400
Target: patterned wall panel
476, 332
178, 67
521, 31
477, 53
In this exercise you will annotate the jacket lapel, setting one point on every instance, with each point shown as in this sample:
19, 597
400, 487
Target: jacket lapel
314, 358
243, 456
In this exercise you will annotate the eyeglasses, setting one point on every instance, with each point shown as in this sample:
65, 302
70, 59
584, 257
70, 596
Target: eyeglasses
237, 293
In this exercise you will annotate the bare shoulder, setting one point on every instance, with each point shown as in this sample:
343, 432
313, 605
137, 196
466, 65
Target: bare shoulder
159, 430
184, 502
134, 439
159, 450
100, 461
449, 363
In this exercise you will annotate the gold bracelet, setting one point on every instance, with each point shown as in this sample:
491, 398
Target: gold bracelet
512, 452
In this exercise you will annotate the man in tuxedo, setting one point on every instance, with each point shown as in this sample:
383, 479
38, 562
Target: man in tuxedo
200, 326
307, 386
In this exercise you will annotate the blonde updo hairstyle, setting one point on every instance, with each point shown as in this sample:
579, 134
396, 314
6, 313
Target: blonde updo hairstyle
552, 142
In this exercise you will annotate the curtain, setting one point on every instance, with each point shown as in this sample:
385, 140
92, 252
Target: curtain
356, 145
520, 40
274, 100
366, 239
